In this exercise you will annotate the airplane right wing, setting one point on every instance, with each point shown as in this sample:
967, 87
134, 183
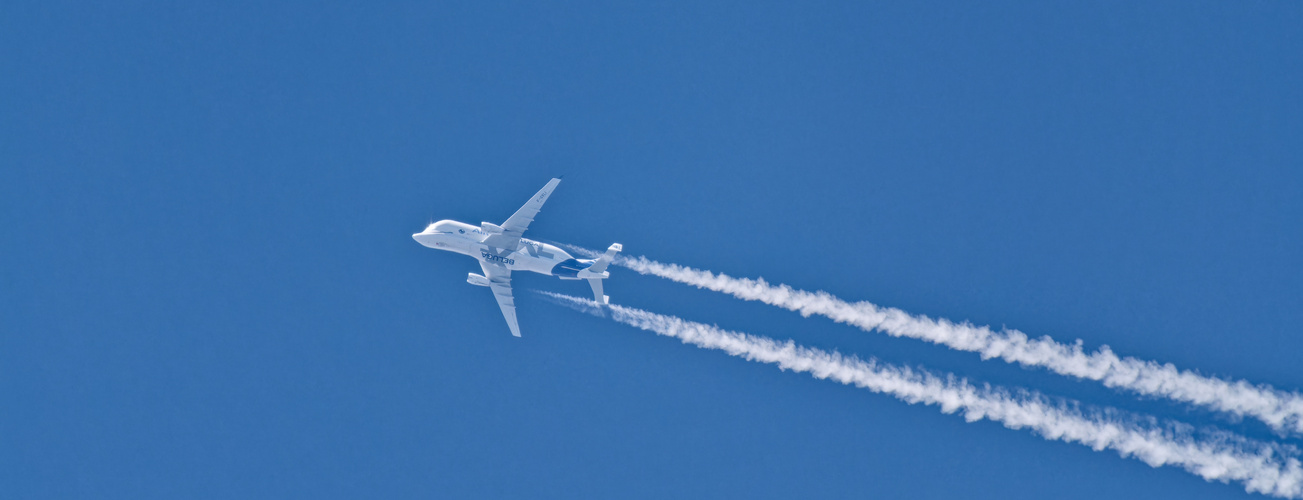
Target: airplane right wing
500, 282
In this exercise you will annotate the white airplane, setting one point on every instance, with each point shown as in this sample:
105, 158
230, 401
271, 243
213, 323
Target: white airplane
501, 250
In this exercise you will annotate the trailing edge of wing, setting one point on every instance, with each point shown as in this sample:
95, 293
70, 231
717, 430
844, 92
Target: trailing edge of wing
500, 282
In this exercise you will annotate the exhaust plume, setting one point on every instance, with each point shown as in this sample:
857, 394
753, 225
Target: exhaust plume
1224, 457
1282, 411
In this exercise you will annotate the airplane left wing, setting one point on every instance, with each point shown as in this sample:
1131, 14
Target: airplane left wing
515, 226
500, 282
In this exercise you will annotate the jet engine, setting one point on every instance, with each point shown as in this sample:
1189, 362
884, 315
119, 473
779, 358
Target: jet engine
477, 280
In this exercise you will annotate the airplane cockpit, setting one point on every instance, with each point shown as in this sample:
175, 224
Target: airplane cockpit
445, 227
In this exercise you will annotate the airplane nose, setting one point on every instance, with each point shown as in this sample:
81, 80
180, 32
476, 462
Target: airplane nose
417, 237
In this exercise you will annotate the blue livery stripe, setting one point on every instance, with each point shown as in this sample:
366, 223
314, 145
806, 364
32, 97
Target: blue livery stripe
570, 268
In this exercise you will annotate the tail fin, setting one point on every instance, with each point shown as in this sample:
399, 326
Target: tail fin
600, 264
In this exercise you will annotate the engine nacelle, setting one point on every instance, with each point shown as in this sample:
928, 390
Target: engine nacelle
490, 228
477, 280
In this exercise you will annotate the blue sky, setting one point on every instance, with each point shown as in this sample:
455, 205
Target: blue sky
210, 289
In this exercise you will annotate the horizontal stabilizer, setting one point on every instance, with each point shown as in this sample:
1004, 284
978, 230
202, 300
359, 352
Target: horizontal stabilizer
599, 266
600, 297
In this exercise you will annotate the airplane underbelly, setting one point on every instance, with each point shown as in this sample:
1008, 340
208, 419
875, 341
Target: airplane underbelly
535, 264
455, 246
515, 261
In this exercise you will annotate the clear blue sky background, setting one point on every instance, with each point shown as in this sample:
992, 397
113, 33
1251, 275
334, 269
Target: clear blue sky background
208, 287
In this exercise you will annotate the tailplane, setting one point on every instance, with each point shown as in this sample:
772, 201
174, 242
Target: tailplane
599, 267
602, 299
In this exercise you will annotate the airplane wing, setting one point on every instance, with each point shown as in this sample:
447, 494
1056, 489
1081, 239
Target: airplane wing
516, 225
500, 282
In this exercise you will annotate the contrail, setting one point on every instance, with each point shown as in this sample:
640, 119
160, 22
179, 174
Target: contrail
1265, 469
1282, 411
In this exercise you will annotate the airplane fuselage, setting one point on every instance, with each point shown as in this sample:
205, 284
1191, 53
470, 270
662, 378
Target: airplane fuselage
501, 249
531, 255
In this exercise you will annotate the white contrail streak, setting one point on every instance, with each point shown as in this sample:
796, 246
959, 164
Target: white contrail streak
1265, 469
1282, 411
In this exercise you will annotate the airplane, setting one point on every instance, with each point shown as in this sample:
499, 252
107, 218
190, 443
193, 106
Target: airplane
501, 250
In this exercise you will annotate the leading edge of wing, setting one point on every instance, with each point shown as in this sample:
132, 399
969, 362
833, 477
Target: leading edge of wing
514, 227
